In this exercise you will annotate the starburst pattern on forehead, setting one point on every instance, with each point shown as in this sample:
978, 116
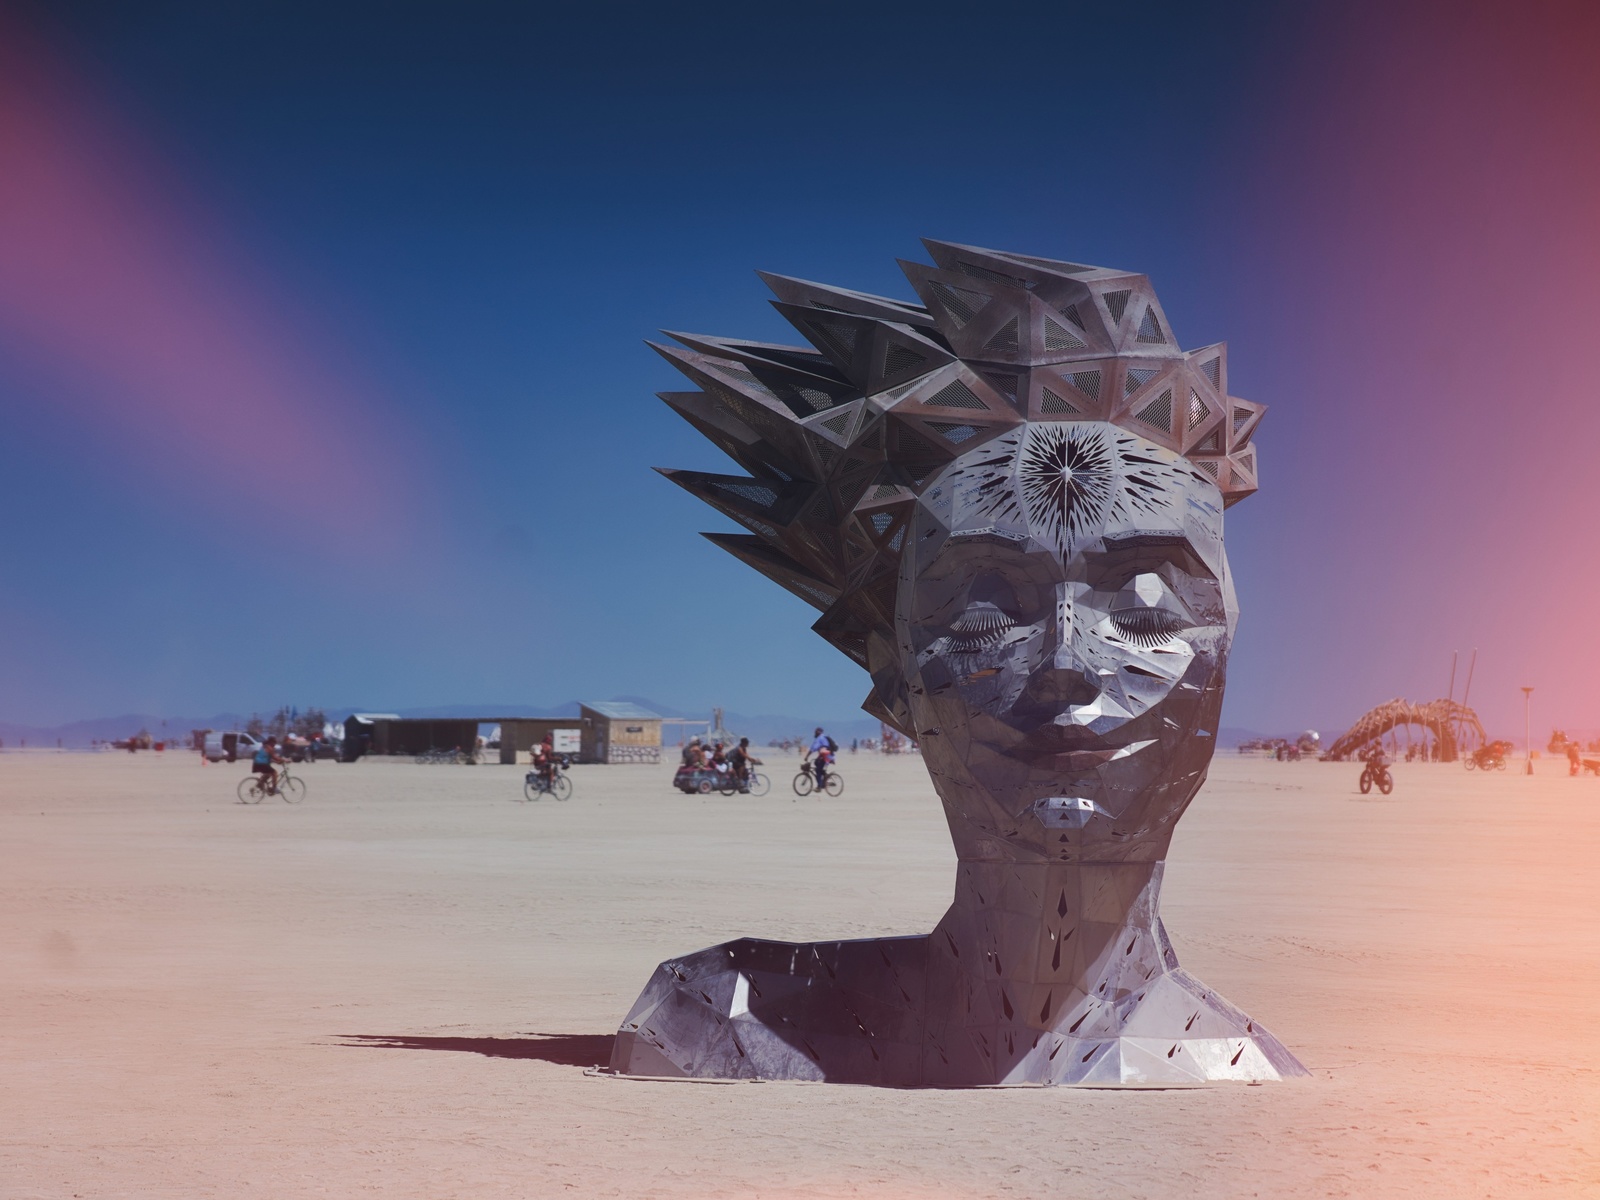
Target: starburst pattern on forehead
1065, 481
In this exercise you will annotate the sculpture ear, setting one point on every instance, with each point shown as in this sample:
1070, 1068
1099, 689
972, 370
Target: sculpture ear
895, 714
899, 721
890, 698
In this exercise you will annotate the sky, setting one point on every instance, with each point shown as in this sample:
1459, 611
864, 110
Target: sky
322, 364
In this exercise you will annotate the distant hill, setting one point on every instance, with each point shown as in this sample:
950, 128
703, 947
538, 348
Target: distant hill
78, 735
760, 728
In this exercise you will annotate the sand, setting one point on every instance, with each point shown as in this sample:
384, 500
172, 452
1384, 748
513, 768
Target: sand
395, 989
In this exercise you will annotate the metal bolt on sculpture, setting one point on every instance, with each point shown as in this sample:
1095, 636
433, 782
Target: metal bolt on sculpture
1007, 504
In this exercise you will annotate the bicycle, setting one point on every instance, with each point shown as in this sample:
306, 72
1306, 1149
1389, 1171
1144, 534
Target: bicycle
437, 756
1377, 773
558, 785
756, 785
253, 789
1487, 758
805, 783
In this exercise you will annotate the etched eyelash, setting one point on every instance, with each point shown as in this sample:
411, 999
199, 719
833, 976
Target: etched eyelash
1147, 627
977, 629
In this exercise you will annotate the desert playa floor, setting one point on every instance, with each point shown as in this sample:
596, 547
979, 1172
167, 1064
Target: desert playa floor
396, 988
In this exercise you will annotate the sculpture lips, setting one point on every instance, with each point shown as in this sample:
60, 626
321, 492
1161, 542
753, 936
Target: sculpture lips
1083, 760
1061, 740
1064, 749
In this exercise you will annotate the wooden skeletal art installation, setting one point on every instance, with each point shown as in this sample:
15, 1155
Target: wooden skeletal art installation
1007, 504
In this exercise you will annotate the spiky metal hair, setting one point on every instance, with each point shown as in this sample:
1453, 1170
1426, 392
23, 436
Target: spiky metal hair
840, 439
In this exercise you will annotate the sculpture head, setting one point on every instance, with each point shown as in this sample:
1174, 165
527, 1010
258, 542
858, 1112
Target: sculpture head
1008, 505
1064, 620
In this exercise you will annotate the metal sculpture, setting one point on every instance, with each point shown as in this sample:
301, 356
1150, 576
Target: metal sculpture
1007, 504
1455, 728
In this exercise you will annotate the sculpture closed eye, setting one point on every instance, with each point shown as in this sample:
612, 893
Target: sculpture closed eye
980, 627
1006, 504
1147, 627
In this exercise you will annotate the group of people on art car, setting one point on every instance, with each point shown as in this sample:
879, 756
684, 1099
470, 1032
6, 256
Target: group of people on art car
698, 756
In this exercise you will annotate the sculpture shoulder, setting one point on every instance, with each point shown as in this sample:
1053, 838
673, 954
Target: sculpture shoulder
755, 1009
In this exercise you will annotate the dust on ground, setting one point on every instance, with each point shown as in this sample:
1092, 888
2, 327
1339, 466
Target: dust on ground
395, 988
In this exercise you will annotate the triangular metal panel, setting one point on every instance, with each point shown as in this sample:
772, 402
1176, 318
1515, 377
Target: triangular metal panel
792, 360
970, 311
837, 425
768, 417
842, 337
712, 418
1086, 386
1243, 418
1212, 363
956, 393
771, 500
802, 293
900, 354
776, 566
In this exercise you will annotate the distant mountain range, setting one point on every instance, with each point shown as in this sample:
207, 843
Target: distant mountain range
760, 728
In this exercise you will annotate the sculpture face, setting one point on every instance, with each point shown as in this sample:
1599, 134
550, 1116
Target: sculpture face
1064, 619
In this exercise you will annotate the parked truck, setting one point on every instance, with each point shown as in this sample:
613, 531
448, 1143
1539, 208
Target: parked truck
230, 747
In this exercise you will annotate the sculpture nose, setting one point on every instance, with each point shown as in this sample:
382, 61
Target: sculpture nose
1055, 688
1061, 681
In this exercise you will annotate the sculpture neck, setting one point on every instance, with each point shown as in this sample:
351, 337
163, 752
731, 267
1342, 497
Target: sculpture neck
1056, 929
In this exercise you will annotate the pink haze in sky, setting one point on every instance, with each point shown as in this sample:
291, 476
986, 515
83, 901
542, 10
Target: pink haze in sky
1428, 227
159, 341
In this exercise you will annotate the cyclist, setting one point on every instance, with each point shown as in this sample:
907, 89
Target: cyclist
265, 756
741, 762
822, 746
1377, 761
544, 758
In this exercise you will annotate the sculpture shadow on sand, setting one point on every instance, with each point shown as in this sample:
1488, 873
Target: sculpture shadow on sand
563, 1049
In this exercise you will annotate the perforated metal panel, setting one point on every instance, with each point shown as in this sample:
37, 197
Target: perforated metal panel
898, 359
1051, 403
1005, 338
1087, 382
1158, 413
955, 395
1137, 377
955, 434
1058, 337
1150, 328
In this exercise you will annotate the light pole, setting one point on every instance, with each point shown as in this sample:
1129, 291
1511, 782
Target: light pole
1527, 724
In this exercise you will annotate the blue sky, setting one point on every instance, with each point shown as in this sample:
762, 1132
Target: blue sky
478, 212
